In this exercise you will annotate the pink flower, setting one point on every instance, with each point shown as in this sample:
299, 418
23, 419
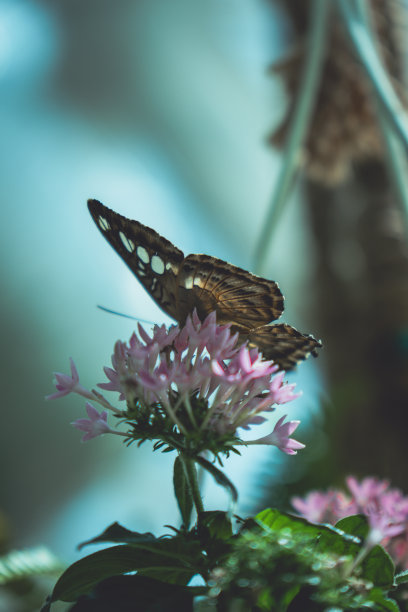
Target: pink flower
386, 510
382, 527
280, 437
197, 379
69, 384
282, 393
216, 339
118, 374
314, 507
95, 426
368, 490
244, 366
200, 360
161, 335
320, 507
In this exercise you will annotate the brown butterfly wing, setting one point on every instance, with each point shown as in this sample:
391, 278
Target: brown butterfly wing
284, 344
154, 260
178, 285
238, 297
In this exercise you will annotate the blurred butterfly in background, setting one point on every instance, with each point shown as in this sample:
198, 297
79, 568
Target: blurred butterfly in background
178, 284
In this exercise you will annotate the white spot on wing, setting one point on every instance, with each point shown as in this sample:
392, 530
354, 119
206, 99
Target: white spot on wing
157, 264
103, 223
127, 243
142, 254
170, 266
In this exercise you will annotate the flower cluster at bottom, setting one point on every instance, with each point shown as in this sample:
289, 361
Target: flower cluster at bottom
385, 508
189, 389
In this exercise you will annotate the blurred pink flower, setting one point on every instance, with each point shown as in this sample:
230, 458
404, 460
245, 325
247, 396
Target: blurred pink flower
386, 510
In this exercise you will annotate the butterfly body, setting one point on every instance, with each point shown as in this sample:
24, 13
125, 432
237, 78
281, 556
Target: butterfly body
180, 284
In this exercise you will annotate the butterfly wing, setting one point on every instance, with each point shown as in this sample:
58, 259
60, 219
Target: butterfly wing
238, 297
284, 344
154, 260
178, 285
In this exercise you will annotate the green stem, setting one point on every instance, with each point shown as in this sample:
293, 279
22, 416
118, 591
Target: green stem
191, 475
396, 161
397, 166
354, 13
364, 550
189, 410
305, 102
172, 414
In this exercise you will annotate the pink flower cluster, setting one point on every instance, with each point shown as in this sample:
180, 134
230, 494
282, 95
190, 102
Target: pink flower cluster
179, 369
386, 510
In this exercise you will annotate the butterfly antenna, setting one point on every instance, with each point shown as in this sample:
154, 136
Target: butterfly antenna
121, 314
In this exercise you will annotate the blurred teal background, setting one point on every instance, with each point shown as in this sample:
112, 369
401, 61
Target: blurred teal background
161, 110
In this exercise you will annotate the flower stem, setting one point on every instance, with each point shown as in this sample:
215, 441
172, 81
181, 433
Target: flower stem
190, 411
98, 397
191, 475
172, 414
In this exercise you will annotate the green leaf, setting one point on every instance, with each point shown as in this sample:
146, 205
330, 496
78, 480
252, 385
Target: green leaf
383, 603
84, 574
401, 578
356, 525
182, 492
218, 476
328, 538
217, 523
277, 520
136, 594
379, 568
117, 533
288, 596
170, 560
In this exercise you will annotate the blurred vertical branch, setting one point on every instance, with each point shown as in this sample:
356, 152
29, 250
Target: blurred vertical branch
359, 226
302, 111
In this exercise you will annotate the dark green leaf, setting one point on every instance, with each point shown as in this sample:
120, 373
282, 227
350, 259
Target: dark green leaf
182, 491
219, 477
84, 574
117, 533
379, 568
356, 525
217, 523
46, 607
402, 577
383, 603
171, 560
135, 594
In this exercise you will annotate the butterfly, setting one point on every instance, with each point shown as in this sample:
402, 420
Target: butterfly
180, 284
